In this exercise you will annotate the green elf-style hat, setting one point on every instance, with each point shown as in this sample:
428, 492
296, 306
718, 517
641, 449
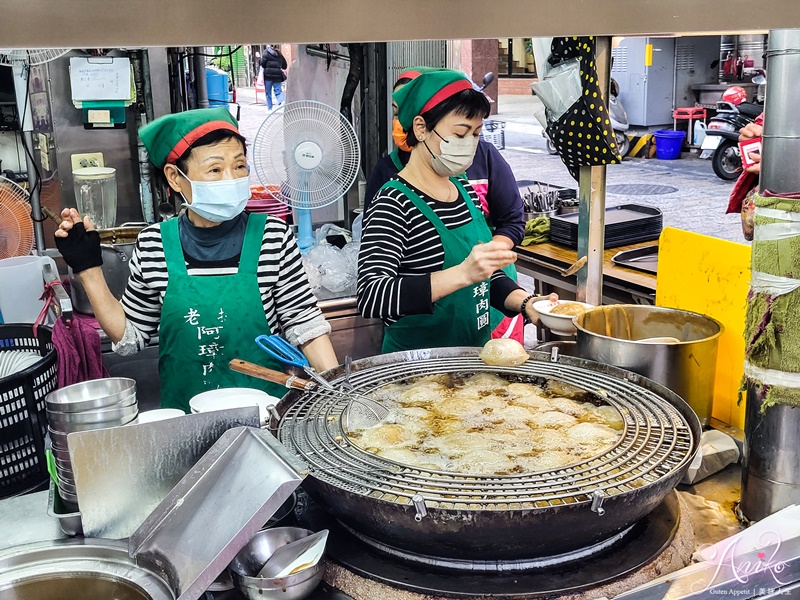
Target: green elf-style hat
414, 72
169, 137
426, 91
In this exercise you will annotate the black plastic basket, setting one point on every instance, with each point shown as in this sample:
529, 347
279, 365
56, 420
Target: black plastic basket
23, 419
494, 133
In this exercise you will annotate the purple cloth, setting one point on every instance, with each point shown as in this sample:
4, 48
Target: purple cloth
78, 348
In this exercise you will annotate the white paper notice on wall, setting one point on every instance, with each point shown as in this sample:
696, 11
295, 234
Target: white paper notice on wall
100, 78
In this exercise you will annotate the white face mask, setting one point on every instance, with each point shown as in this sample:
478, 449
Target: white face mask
456, 155
220, 200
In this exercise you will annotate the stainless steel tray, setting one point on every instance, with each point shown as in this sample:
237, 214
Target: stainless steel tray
69, 522
217, 508
123, 473
642, 259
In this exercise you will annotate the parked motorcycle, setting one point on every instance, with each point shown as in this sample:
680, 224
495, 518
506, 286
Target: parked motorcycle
619, 122
722, 132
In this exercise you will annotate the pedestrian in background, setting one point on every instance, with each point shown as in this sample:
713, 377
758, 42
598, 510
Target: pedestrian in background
274, 65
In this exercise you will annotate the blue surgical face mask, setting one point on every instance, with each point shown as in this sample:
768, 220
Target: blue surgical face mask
220, 200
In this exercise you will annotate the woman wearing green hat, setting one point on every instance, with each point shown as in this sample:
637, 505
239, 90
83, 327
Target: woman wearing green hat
210, 281
428, 266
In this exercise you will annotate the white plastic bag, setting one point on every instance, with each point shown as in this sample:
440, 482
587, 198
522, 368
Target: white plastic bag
331, 229
357, 226
332, 266
560, 89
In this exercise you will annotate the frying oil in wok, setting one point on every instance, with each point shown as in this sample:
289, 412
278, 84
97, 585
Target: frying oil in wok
484, 424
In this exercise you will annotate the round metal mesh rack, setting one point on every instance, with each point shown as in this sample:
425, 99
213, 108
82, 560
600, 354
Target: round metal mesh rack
656, 441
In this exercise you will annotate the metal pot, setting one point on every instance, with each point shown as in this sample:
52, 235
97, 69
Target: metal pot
85, 568
117, 246
509, 517
613, 335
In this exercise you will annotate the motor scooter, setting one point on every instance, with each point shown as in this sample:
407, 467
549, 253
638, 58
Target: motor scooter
722, 134
619, 122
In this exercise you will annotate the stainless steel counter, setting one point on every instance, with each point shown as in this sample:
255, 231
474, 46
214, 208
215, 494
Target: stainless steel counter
24, 520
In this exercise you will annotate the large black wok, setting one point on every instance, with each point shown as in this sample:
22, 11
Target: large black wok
494, 517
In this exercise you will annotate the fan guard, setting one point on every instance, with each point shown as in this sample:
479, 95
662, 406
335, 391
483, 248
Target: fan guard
306, 154
29, 56
16, 226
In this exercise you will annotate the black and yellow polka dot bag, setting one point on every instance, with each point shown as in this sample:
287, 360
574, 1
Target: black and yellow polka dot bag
583, 135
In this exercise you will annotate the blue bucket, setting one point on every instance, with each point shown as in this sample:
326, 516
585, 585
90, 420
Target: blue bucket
669, 144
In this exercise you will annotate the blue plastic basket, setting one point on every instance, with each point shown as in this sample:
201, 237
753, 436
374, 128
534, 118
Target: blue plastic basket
669, 144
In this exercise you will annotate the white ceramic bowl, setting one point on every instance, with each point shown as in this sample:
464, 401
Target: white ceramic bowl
159, 414
234, 398
558, 324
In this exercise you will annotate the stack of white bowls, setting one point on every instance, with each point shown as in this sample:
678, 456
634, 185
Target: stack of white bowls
226, 398
95, 404
15, 361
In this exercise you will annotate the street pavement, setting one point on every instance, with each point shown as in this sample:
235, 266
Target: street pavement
696, 202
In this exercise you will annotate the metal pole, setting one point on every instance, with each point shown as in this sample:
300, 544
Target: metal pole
200, 84
770, 477
592, 212
26, 125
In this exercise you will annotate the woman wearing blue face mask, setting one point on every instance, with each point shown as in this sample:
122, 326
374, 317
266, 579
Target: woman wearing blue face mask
209, 281
427, 265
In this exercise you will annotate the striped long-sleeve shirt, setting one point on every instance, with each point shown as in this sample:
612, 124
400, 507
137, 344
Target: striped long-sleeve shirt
289, 305
400, 249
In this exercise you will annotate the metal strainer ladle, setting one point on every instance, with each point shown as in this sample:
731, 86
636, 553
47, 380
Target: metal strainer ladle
361, 411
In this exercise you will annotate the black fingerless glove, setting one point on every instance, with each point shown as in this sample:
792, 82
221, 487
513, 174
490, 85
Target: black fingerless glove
81, 248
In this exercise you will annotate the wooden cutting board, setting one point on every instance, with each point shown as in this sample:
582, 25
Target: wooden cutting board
710, 276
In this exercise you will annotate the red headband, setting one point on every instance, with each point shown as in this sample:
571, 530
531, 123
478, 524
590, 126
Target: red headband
409, 75
451, 89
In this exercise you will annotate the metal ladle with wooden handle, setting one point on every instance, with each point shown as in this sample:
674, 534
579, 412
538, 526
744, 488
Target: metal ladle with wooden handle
361, 412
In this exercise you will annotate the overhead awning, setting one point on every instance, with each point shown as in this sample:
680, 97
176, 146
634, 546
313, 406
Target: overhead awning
103, 24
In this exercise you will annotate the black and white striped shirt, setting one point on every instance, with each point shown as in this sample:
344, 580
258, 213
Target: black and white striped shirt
400, 248
289, 304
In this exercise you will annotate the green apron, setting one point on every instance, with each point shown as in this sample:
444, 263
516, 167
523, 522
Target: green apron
511, 270
460, 318
208, 320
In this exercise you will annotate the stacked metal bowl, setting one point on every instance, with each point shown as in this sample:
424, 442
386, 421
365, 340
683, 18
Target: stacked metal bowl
95, 404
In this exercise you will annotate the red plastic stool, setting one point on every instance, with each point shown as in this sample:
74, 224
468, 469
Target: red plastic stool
691, 114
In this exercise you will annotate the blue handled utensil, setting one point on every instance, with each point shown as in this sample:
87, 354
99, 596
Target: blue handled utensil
360, 413
281, 350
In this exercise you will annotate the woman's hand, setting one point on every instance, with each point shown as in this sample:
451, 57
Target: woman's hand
78, 241
485, 259
530, 313
752, 131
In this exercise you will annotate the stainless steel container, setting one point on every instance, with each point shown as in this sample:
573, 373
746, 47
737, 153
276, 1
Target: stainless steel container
613, 335
87, 568
257, 552
770, 478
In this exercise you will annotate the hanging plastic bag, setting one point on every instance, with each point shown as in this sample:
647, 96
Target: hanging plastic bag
583, 135
560, 89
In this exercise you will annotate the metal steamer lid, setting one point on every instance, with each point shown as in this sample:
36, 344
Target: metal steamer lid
660, 437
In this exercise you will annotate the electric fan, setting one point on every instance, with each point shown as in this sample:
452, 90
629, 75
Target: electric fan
306, 155
16, 226
14, 57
